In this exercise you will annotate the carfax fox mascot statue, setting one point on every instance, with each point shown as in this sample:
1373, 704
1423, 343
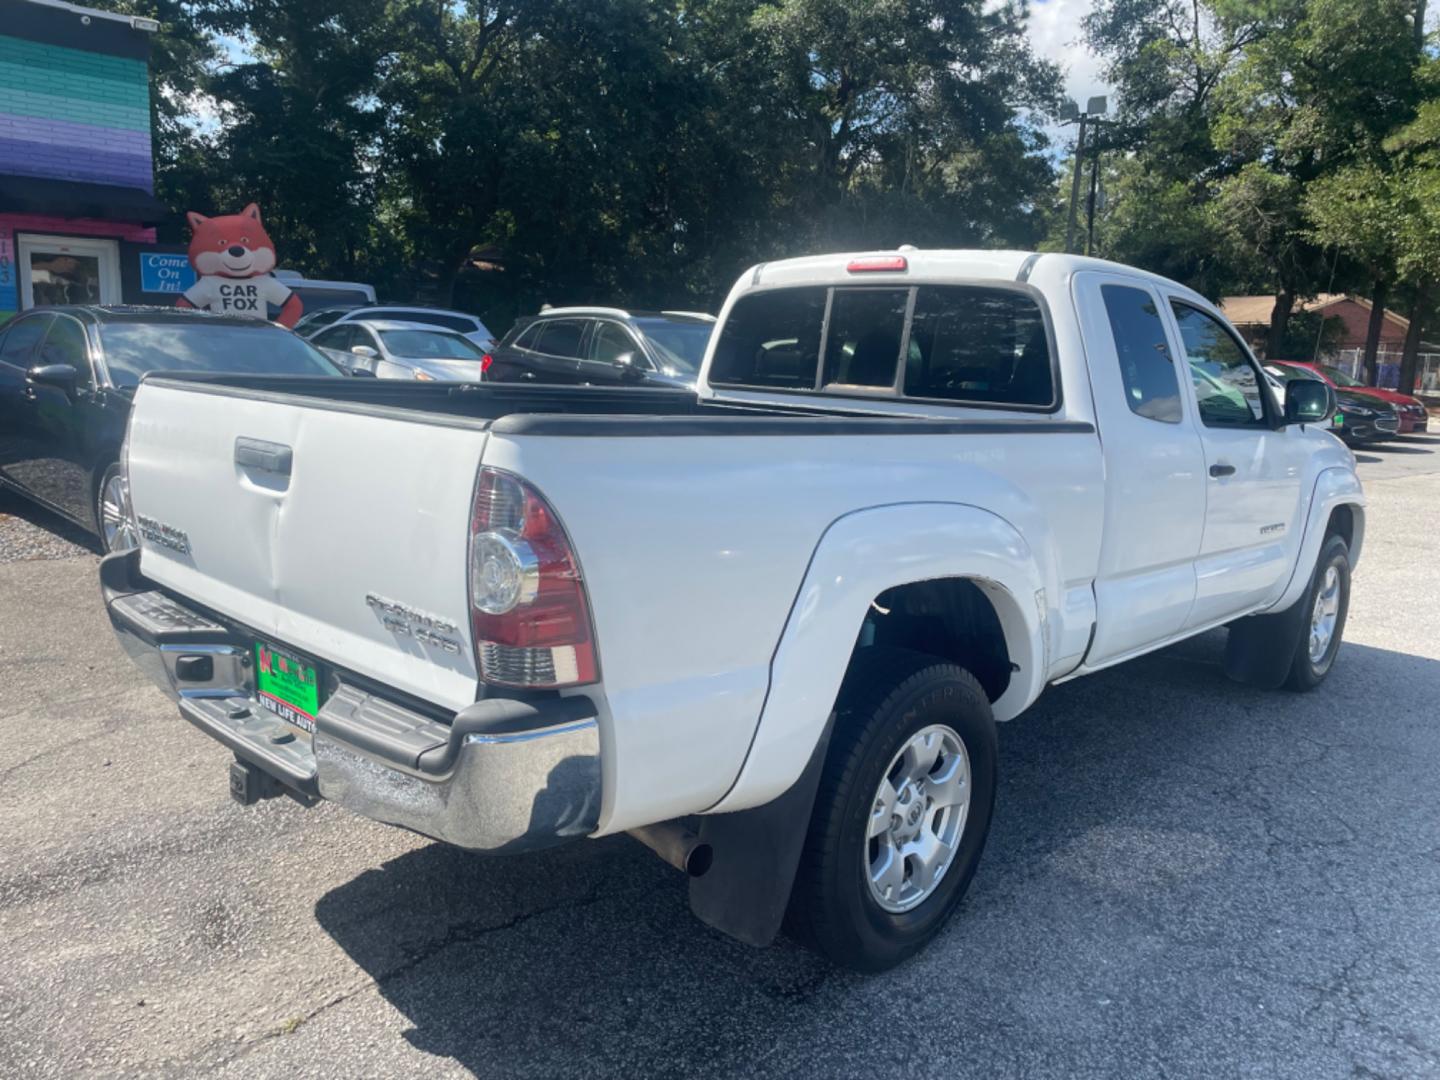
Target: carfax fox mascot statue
233, 255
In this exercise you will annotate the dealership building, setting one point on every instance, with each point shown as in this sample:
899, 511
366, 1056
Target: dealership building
77, 205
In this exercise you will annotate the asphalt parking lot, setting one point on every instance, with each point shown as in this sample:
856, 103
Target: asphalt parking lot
1185, 878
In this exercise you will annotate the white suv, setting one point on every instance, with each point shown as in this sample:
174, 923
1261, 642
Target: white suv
459, 321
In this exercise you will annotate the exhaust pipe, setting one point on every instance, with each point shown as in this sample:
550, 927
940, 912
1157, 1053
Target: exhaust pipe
678, 846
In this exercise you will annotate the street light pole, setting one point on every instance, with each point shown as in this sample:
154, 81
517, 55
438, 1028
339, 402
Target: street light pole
1075, 187
1070, 111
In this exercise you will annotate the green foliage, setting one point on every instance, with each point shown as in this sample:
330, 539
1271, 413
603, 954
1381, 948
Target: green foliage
1309, 334
641, 151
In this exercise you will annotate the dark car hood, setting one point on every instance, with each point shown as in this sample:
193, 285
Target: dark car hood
1363, 400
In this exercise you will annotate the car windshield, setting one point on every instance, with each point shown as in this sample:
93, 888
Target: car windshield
1340, 378
134, 348
1290, 374
429, 345
680, 344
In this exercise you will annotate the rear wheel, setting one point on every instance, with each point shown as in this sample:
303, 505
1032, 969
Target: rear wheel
112, 512
902, 811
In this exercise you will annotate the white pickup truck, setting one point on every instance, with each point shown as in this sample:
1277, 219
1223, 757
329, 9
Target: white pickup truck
768, 629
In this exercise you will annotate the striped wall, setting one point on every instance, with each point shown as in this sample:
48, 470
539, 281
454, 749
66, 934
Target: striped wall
72, 114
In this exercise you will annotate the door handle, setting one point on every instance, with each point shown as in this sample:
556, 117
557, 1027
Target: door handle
264, 456
1222, 470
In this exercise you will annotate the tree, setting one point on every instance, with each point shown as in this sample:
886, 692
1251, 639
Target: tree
1358, 210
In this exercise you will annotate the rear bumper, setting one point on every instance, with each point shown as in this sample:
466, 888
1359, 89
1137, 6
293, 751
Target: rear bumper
501, 776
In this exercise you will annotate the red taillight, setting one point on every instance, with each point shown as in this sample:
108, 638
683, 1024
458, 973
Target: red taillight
877, 264
485, 362
528, 609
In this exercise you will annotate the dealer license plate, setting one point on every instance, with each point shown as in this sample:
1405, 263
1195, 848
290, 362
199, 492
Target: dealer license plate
287, 685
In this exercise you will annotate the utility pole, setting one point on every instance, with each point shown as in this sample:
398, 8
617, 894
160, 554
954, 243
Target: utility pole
1070, 113
1090, 202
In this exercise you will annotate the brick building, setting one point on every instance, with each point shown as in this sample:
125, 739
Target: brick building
77, 207
1251, 316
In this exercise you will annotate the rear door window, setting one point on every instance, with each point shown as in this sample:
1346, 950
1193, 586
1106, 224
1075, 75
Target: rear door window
527, 337
1147, 369
562, 338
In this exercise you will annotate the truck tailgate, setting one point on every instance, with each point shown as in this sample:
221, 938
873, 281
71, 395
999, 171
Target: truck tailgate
337, 530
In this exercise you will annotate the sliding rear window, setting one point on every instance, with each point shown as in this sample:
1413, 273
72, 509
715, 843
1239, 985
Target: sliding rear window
970, 344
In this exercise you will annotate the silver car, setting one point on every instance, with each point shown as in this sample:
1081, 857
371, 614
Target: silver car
390, 349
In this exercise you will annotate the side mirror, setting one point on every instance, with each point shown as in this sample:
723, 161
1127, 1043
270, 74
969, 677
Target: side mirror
365, 352
62, 377
1308, 401
629, 369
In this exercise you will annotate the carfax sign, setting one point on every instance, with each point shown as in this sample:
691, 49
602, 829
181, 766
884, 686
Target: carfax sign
165, 273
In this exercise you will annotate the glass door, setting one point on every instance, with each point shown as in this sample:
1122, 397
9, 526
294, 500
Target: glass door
62, 270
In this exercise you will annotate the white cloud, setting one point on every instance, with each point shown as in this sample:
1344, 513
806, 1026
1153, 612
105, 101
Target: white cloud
1055, 34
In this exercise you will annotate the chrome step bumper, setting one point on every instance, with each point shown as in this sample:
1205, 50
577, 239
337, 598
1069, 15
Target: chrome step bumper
501, 776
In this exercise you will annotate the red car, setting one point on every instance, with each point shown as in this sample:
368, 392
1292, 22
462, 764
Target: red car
1413, 415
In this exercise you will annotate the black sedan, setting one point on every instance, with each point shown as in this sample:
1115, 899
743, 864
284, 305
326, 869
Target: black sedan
67, 375
1359, 418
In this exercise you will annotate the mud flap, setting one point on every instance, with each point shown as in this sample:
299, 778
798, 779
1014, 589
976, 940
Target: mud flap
746, 890
1261, 648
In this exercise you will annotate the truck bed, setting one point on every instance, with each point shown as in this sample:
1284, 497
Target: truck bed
579, 411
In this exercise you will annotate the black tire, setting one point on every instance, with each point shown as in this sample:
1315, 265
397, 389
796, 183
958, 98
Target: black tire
1305, 673
888, 695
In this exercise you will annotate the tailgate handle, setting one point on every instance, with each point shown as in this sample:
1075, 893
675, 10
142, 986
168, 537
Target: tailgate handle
271, 457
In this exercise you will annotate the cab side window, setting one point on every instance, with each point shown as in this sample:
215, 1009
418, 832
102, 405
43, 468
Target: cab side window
1147, 369
1228, 387
22, 339
65, 344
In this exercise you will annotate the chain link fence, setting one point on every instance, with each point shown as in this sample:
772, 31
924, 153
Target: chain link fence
1427, 368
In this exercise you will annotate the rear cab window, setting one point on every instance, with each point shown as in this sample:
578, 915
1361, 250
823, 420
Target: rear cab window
959, 344
1147, 369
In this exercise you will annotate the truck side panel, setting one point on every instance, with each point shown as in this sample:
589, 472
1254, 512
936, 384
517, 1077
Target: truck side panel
694, 547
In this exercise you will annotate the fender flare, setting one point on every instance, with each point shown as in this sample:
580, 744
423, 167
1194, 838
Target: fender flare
1335, 486
860, 556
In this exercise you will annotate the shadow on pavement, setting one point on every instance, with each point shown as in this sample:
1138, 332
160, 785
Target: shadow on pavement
17, 506
1398, 448
1170, 845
